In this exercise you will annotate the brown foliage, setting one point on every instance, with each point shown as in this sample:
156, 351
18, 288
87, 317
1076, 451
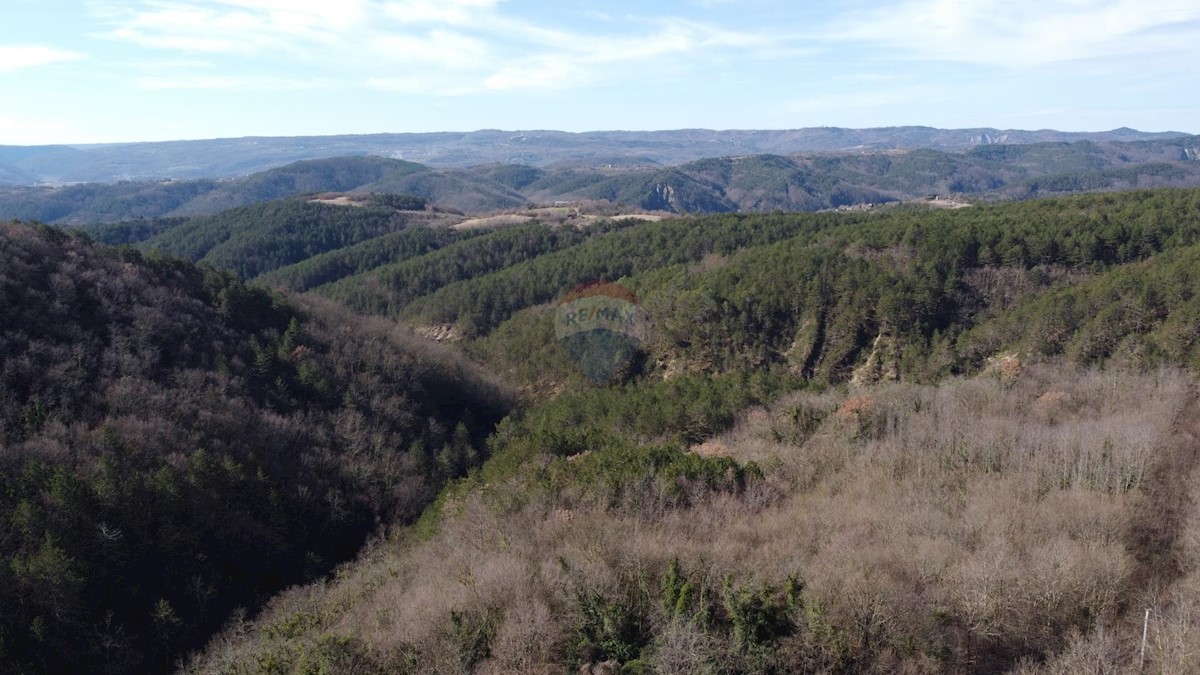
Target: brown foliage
966, 532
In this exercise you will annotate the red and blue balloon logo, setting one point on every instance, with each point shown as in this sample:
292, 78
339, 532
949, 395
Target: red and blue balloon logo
602, 327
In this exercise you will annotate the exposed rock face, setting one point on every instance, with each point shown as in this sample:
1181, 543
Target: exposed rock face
1191, 154
664, 197
989, 139
438, 332
882, 364
802, 354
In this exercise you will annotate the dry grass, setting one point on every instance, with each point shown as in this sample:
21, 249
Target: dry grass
492, 222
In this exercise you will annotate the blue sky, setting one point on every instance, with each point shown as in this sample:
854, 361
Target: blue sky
83, 71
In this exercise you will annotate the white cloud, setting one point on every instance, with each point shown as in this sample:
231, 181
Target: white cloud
569, 61
193, 28
19, 57
1025, 32
437, 47
248, 27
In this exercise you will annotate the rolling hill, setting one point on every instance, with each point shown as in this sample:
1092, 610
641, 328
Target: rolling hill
755, 182
103, 203
232, 157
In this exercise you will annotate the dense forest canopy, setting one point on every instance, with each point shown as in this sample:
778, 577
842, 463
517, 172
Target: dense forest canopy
175, 444
831, 427
940, 441
929, 292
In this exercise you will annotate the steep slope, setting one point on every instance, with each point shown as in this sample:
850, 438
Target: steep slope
922, 290
175, 444
391, 288
350, 261
912, 441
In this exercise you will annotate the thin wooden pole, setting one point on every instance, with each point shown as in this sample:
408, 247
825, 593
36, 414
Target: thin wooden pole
1145, 630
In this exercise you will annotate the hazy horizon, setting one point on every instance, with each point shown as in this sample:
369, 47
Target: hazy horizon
112, 71
588, 131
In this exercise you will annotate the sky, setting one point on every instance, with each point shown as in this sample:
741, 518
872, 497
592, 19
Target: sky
100, 71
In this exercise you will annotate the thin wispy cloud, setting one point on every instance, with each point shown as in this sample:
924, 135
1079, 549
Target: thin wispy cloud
447, 47
363, 66
21, 56
247, 27
1024, 33
571, 61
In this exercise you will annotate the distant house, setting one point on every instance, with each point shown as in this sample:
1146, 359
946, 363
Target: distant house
561, 204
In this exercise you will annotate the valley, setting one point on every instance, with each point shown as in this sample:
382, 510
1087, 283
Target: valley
481, 337
911, 437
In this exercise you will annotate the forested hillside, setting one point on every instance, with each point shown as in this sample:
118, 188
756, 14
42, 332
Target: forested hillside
256, 239
924, 293
175, 444
917, 440
899, 440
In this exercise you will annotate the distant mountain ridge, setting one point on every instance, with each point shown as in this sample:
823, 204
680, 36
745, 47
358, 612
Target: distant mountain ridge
753, 182
231, 157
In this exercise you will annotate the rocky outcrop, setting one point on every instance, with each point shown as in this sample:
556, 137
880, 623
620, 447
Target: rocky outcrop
882, 364
989, 139
439, 332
